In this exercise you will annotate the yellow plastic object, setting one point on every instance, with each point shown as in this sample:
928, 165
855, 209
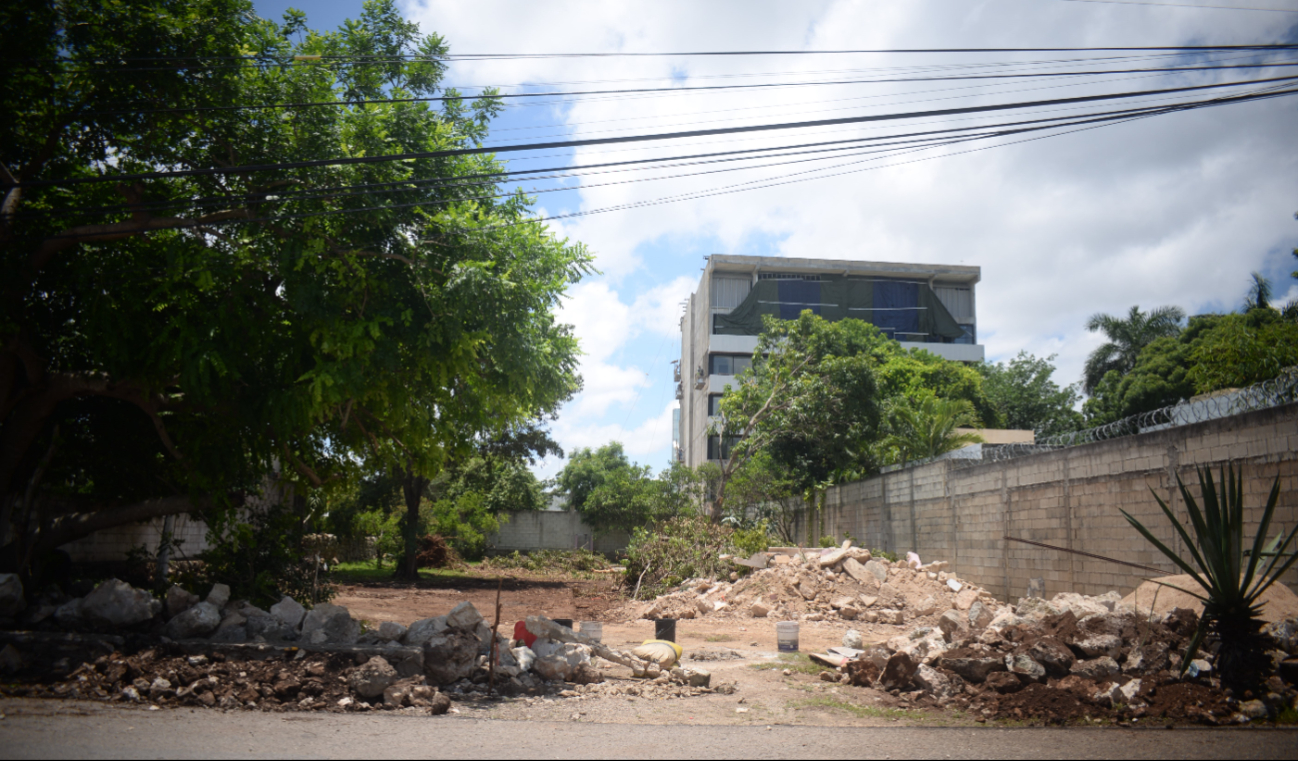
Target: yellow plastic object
660, 651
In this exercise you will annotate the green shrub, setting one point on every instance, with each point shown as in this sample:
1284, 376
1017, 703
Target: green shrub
888, 556
667, 553
549, 562
752, 540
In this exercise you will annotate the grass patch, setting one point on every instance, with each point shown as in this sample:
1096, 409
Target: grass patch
365, 572
1287, 717
798, 663
859, 711
719, 638
580, 564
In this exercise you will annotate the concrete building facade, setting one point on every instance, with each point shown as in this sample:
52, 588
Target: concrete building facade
924, 306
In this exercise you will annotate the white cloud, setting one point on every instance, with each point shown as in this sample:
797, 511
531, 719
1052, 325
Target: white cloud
1176, 209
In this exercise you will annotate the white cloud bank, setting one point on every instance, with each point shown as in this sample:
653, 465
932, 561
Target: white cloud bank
1176, 209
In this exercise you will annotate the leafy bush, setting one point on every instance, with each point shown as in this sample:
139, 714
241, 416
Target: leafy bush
262, 556
549, 562
464, 521
888, 556
661, 556
756, 538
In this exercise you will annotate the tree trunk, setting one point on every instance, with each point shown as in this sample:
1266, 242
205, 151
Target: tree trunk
164, 551
412, 488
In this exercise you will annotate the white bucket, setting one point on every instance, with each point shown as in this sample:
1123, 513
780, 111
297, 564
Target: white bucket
592, 629
786, 636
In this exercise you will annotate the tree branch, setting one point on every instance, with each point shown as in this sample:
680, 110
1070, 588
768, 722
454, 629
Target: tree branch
85, 524
118, 230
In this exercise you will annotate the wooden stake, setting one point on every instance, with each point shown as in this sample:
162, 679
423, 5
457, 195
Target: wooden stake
495, 642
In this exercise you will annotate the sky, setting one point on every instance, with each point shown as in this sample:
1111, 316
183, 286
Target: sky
1172, 210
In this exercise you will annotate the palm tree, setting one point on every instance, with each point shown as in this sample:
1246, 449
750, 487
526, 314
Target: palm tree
1259, 293
1126, 339
927, 427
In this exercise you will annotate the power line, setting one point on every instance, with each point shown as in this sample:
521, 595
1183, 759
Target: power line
676, 90
641, 138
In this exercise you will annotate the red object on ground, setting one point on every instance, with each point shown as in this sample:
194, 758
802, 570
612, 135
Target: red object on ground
521, 634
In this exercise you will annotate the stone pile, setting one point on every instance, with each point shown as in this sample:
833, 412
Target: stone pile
840, 584
1069, 658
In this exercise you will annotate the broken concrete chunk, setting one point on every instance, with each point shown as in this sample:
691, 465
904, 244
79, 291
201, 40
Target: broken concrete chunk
935, 683
927, 607
980, 616
179, 600
1053, 655
1035, 608
966, 598
371, 679
463, 616
867, 601
219, 595
329, 624
838, 603
898, 672
423, 630
1025, 668
878, 570
954, 585
1098, 644
972, 668
833, 558
289, 611
950, 622
1096, 668
450, 656
116, 603
562, 662
857, 571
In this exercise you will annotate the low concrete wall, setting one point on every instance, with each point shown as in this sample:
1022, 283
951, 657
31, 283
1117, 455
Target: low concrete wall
551, 530
959, 511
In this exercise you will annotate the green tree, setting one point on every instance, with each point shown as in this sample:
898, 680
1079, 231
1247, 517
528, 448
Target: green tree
1024, 394
1126, 338
1244, 349
588, 469
165, 338
810, 401
613, 494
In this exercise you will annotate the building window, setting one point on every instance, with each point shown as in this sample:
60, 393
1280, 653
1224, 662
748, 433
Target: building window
728, 364
714, 404
719, 450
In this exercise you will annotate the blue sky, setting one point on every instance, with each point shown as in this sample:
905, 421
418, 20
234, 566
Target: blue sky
1178, 209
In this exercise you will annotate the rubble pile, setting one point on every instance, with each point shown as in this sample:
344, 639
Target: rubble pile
1070, 658
119, 643
839, 584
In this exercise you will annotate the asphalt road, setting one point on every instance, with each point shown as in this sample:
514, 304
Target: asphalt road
56, 729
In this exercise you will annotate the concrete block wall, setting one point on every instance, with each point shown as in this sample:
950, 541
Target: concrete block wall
551, 530
1070, 498
112, 544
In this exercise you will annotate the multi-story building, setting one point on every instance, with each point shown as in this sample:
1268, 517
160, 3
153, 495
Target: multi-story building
925, 306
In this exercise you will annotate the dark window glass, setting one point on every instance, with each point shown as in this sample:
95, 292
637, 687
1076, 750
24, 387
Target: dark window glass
717, 450
728, 364
742, 363
714, 404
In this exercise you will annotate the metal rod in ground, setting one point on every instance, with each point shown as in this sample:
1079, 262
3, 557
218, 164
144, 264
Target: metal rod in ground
495, 643
1158, 571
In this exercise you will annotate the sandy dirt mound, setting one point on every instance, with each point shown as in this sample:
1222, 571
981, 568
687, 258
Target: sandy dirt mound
1278, 602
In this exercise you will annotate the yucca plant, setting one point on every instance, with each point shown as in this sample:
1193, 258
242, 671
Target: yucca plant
1229, 574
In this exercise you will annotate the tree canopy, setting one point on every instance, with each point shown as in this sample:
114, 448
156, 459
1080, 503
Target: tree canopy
196, 282
1126, 338
1027, 398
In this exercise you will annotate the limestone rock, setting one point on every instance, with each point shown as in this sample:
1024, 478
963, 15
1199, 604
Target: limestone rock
1129, 691
935, 683
1005, 618
973, 668
116, 603
230, 634
852, 639
950, 622
371, 679
270, 628
450, 656
1081, 605
1053, 655
329, 624
867, 601
1254, 709
966, 598
525, 658
290, 612
759, 610
219, 595
1035, 608
68, 615
833, 558
1285, 634
1025, 668
199, 621
857, 571
898, 672
562, 662
424, 630
1108, 695
1096, 668
1003, 682
878, 570
980, 616
1097, 645
12, 601
838, 603
927, 607
463, 616
391, 631
179, 600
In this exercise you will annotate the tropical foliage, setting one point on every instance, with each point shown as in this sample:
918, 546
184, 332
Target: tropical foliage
927, 427
613, 494
1232, 577
1027, 398
171, 325
1126, 338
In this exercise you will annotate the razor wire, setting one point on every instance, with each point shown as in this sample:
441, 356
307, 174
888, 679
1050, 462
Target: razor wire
1280, 390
